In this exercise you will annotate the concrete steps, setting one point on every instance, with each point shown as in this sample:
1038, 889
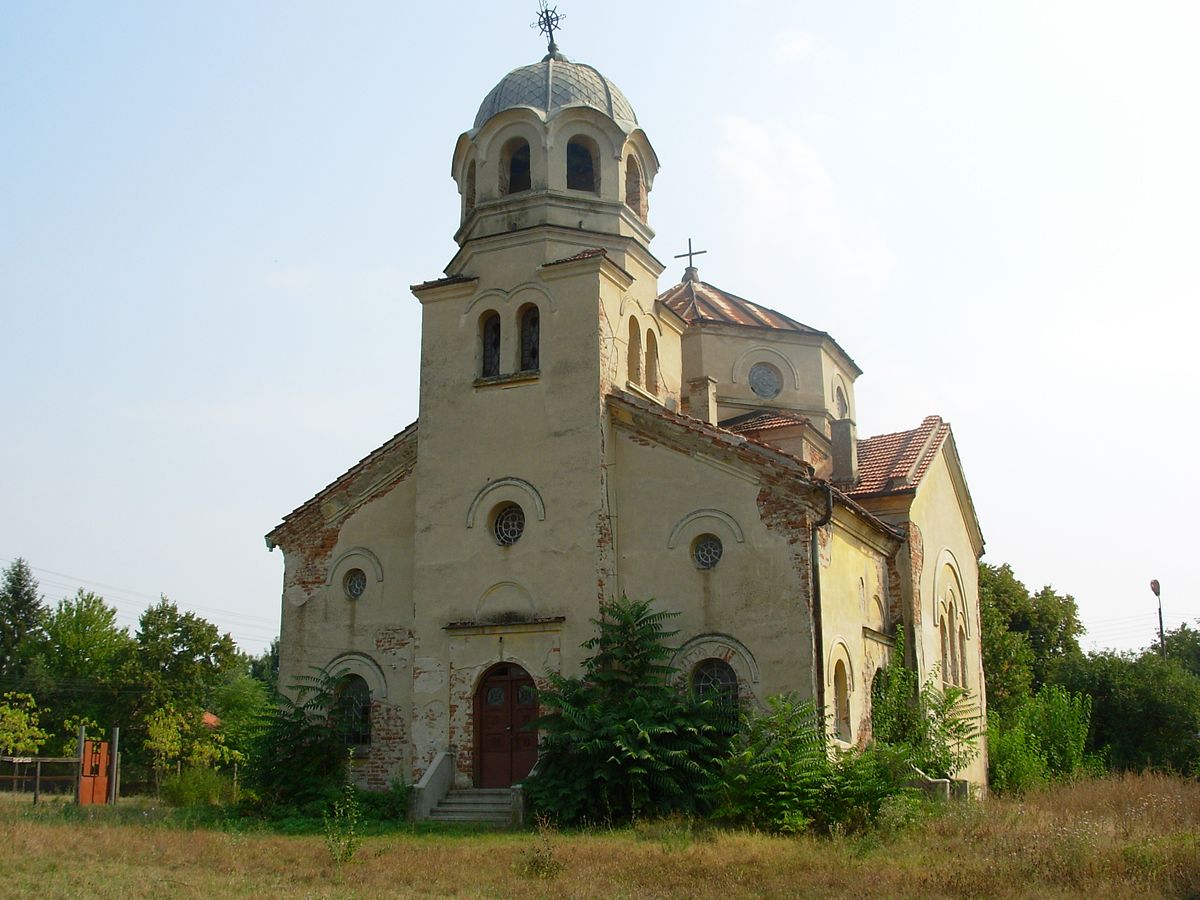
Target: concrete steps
488, 806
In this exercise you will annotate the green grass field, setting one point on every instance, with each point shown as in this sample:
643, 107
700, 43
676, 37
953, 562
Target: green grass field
1135, 836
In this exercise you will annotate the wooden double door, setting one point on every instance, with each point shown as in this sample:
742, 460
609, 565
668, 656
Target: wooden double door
505, 703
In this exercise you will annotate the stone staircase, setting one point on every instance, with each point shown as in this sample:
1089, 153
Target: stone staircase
486, 806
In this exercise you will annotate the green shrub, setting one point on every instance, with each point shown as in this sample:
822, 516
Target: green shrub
781, 777
197, 787
623, 741
1043, 738
343, 821
934, 727
386, 806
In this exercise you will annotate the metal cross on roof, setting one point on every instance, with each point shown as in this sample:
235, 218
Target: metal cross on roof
690, 253
547, 23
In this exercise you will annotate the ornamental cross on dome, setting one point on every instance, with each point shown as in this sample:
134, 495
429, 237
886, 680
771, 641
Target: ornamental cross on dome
547, 23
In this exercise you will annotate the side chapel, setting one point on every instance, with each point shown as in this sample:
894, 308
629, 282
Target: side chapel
584, 434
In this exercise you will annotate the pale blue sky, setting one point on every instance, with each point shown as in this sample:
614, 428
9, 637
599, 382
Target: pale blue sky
210, 213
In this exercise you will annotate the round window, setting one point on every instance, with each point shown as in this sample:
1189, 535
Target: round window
707, 551
765, 380
509, 524
355, 583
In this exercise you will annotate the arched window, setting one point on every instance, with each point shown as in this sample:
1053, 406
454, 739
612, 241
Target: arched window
530, 336
469, 189
514, 167
953, 638
841, 701
635, 352
715, 679
583, 170
635, 187
962, 656
489, 337
651, 362
352, 711
945, 651
840, 402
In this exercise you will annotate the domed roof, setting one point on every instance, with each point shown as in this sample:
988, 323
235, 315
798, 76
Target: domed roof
553, 84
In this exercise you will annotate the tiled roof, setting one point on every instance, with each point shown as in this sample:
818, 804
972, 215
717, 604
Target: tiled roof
698, 301
583, 254
439, 282
893, 463
763, 420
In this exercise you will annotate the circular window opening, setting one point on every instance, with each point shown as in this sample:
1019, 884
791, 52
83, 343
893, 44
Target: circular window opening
707, 551
714, 679
765, 380
509, 524
355, 583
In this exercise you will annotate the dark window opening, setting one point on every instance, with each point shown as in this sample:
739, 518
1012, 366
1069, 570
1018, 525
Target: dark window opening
529, 340
581, 169
714, 679
518, 169
352, 711
491, 345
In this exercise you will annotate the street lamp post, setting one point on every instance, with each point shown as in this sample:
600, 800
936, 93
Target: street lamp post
1162, 641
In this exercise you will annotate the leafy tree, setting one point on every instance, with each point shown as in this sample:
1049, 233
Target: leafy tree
20, 616
1145, 709
1048, 621
74, 663
243, 704
181, 658
1183, 645
623, 740
164, 740
266, 667
20, 730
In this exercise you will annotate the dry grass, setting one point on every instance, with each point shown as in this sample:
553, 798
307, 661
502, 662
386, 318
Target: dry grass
1118, 837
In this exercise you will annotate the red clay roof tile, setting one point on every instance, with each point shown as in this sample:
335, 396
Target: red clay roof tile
896, 462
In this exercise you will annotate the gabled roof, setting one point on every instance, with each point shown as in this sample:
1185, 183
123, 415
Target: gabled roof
764, 420
896, 462
698, 301
351, 482
782, 462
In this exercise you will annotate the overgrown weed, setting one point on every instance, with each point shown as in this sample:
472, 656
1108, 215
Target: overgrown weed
541, 860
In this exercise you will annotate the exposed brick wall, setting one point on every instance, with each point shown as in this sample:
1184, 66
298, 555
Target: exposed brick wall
385, 759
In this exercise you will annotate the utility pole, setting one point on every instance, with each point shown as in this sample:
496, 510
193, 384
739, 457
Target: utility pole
1162, 641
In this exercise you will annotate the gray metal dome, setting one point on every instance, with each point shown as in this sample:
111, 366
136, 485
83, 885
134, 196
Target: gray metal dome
553, 84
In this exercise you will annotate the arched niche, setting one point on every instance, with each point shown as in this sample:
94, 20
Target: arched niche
526, 292
365, 559
716, 517
505, 601
839, 650
355, 663
948, 576
517, 486
761, 353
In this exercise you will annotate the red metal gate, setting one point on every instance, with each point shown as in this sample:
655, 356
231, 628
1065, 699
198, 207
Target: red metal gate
93, 775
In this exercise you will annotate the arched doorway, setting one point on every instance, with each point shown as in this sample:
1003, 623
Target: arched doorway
505, 750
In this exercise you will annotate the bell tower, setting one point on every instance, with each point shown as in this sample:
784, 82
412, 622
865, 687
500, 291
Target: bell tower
548, 305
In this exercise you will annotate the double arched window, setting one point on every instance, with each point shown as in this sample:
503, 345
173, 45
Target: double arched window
491, 345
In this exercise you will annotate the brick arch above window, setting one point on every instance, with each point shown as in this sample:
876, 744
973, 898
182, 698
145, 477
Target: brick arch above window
364, 667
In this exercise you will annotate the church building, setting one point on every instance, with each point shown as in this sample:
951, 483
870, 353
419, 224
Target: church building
587, 432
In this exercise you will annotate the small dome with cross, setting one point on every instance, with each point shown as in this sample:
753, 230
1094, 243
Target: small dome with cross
557, 83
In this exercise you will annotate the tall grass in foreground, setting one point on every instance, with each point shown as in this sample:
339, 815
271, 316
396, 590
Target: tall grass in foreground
1127, 836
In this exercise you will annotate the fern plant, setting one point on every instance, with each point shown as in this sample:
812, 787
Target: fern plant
622, 741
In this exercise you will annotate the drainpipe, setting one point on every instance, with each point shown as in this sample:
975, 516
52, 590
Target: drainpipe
818, 629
